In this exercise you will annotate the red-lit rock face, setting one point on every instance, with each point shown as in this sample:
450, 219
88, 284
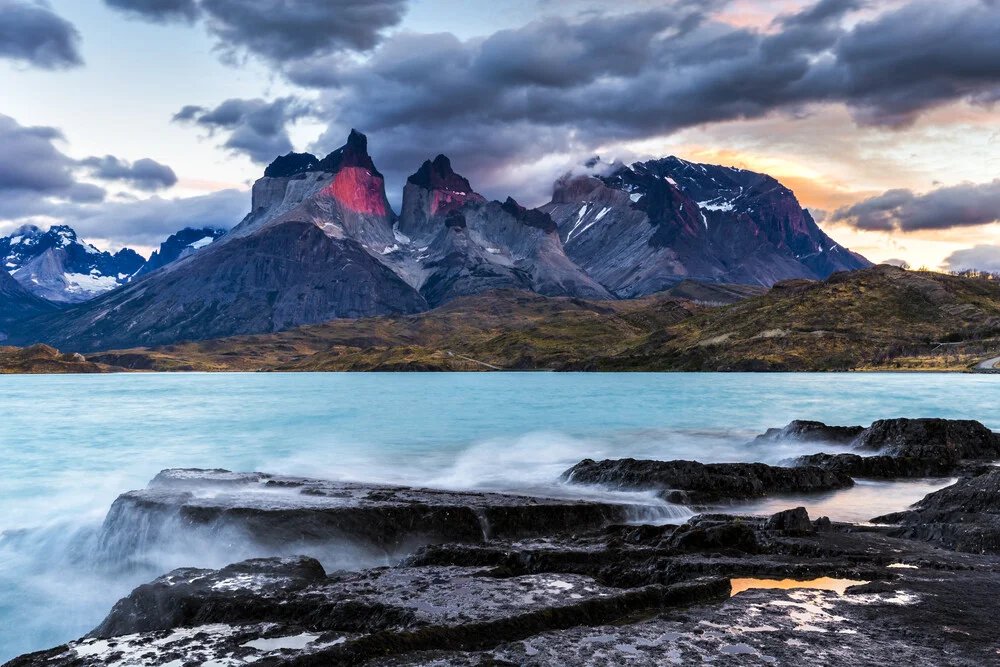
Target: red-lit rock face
443, 202
358, 190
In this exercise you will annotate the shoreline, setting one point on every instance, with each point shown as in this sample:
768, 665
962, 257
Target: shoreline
577, 565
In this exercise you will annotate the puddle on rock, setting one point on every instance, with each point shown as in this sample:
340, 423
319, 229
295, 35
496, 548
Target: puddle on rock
821, 584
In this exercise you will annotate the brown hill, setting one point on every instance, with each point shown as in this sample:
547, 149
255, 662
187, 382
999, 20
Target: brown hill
877, 318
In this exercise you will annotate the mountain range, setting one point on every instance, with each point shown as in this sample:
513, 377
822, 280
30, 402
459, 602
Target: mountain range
57, 266
322, 242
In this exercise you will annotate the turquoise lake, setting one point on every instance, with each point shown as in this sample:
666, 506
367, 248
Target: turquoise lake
71, 444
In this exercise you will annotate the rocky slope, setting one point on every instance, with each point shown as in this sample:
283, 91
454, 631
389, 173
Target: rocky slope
483, 578
17, 304
642, 229
177, 246
42, 359
57, 266
284, 276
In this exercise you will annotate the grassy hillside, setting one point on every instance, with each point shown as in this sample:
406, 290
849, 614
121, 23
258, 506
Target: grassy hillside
877, 318
881, 318
44, 359
507, 329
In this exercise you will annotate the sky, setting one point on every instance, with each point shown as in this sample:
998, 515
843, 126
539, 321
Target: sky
131, 119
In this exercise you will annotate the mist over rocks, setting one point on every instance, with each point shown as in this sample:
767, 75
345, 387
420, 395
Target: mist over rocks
894, 448
595, 591
272, 514
343, 573
701, 483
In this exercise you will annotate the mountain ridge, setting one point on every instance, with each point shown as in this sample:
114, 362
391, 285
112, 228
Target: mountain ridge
632, 232
881, 318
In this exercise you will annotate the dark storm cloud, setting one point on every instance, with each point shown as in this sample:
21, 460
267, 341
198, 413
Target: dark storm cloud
30, 161
963, 205
31, 32
144, 174
821, 13
981, 257
256, 128
601, 79
920, 56
279, 30
158, 10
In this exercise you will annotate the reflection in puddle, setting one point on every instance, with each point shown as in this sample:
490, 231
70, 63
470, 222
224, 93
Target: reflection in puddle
865, 500
821, 584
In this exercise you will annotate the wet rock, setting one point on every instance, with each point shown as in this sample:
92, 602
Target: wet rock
945, 439
268, 515
911, 448
964, 516
823, 524
726, 537
901, 625
564, 594
349, 619
705, 483
881, 467
811, 431
791, 522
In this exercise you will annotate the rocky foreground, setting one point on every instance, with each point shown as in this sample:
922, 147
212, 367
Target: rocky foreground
495, 579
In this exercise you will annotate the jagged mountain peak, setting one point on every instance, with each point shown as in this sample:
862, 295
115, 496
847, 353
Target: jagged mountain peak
354, 153
531, 217
658, 222
437, 174
285, 166
179, 245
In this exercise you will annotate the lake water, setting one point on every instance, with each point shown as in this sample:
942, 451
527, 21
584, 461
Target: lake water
71, 444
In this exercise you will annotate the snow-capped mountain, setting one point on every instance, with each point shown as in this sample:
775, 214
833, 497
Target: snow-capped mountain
177, 246
57, 266
322, 242
642, 229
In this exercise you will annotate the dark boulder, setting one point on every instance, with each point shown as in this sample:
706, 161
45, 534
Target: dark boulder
705, 483
811, 431
722, 537
791, 522
251, 591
